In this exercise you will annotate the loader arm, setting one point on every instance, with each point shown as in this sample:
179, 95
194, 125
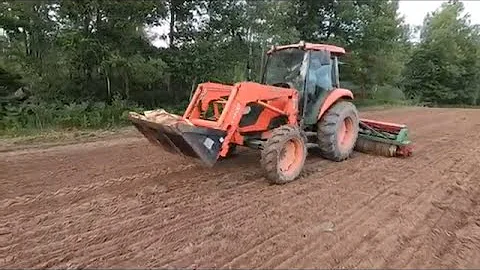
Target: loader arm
276, 100
198, 135
235, 98
204, 95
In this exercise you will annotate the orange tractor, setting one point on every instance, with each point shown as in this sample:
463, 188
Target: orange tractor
298, 105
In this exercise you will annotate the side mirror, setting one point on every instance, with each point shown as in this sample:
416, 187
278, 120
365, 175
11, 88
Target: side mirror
301, 44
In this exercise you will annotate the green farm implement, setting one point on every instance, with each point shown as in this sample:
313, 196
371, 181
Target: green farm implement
382, 138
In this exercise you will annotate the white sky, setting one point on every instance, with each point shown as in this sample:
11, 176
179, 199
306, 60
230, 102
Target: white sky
414, 12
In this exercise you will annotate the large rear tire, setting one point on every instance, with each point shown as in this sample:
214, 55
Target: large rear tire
337, 131
283, 155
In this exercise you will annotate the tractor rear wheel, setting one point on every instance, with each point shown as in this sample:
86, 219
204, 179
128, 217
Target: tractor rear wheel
337, 131
284, 154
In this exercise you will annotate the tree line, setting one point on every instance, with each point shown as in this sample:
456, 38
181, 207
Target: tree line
84, 63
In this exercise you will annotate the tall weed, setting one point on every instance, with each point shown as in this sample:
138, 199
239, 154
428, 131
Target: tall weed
41, 116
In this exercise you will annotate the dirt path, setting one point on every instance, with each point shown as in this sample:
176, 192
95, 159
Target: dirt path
122, 203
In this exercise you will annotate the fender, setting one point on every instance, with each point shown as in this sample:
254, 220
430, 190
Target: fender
335, 95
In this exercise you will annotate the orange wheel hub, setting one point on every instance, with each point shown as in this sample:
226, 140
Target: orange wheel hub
345, 133
291, 156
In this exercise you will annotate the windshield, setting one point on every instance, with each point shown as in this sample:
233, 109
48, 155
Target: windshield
286, 66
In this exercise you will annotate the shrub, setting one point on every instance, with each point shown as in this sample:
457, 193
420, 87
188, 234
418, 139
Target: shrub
40, 116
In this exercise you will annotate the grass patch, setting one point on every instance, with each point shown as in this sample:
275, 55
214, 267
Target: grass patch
32, 123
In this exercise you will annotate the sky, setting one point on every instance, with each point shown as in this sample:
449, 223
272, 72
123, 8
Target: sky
414, 12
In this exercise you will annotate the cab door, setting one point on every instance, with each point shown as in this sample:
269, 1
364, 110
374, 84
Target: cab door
319, 81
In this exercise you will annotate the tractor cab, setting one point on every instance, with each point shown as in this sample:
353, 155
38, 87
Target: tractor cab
311, 69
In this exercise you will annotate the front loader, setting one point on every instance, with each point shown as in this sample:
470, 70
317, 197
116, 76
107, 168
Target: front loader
298, 105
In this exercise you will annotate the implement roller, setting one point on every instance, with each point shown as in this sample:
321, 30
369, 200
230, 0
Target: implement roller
298, 105
384, 139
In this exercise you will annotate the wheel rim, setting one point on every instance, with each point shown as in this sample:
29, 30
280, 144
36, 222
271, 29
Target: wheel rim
291, 156
345, 133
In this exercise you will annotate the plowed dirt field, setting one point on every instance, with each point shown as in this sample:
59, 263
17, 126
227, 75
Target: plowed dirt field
122, 203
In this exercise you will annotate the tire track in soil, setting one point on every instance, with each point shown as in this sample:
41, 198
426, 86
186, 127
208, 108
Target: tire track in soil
278, 234
176, 230
350, 248
74, 160
438, 207
138, 219
239, 212
392, 240
181, 228
424, 232
70, 191
208, 214
394, 253
240, 216
126, 222
422, 197
364, 203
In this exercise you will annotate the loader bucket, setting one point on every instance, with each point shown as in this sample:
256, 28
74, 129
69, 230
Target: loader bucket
178, 136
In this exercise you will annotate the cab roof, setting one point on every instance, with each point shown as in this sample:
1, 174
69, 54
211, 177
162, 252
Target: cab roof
310, 46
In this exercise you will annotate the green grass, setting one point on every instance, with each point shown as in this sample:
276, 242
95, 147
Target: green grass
35, 119
53, 124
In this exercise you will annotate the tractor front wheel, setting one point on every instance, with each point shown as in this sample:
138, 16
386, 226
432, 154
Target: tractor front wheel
338, 131
284, 154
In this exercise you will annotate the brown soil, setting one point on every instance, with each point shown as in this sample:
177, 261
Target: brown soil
124, 203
